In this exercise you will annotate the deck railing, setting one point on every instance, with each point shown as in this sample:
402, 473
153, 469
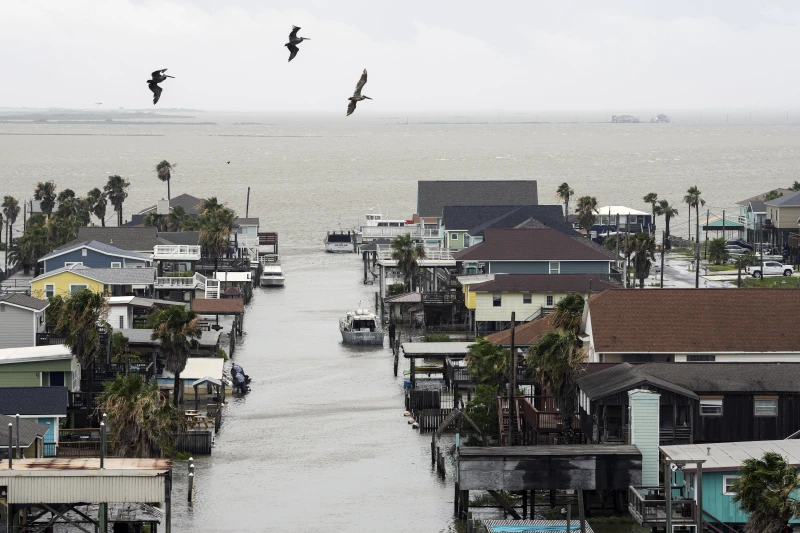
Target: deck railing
648, 506
430, 256
542, 421
198, 281
374, 232
176, 252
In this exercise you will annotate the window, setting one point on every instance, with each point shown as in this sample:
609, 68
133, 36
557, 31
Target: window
121, 322
527, 298
84, 252
76, 378
765, 406
555, 267
116, 265
454, 236
727, 485
73, 288
497, 300
49, 290
701, 358
549, 300
637, 358
69, 264
710, 406
632, 219
56, 379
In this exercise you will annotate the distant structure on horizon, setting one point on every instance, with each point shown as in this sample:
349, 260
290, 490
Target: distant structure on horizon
660, 118
625, 119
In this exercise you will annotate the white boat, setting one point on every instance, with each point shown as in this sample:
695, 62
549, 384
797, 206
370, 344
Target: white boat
340, 242
361, 327
272, 275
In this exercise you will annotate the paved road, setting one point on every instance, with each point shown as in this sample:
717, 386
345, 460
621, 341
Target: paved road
676, 274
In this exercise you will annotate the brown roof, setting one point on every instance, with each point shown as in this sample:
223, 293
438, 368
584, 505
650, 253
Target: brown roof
214, 306
545, 283
695, 321
761, 197
538, 244
525, 334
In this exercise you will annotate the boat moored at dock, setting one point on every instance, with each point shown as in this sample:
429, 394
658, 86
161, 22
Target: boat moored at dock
340, 242
361, 327
271, 272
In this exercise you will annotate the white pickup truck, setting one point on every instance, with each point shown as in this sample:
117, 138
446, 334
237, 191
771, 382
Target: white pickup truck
771, 268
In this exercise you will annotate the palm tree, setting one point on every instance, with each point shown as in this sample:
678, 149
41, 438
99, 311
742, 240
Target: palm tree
45, 194
10, 207
564, 193
488, 365
178, 220
717, 252
117, 190
141, 423
668, 212
693, 199
177, 331
555, 360
29, 247
795, 186
154, 219
652, 199
216, 224
210, 204
765, 490
408, 254
79, 322
644, 248
586, 209
98, 203
567, 313
164, 172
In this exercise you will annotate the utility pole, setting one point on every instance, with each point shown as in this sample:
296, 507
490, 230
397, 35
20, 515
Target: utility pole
512, 396
617, 259
663, 251
705, 250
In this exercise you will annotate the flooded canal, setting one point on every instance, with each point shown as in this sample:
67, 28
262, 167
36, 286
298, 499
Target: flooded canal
320, 444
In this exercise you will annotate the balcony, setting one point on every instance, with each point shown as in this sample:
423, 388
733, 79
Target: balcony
648, 507
377, 232
198, 281
245, 241
432, 258
174, 252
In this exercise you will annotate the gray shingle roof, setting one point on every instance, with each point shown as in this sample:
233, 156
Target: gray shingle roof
544, 283
33, 401
28, 430
623, 377
758, 206
110, 276
144, 336
139, 239
760, 197
189, 203
184, 238
432, 196
542, 244
475, 219
242, 221
23, 300
792, 199
100, 247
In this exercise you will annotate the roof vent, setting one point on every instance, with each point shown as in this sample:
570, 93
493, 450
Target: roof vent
708, 450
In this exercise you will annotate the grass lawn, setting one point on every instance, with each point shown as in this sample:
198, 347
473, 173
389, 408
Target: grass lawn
771, 282
721, 268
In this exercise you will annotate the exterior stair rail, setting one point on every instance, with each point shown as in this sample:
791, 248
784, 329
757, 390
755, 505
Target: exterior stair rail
716, 525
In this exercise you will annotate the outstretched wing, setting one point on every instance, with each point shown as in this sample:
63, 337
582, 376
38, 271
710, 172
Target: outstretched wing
292, 51
351, 107
293, 35
158, 73
361, 83
156, 92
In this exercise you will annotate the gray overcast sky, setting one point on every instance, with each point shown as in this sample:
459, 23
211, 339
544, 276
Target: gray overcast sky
421, 55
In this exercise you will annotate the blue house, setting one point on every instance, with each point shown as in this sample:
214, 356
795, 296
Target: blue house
534, 251
721, 463
46, 405
94, 254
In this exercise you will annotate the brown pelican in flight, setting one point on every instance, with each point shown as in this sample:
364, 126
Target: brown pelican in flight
157, 77
357, 96
294, 40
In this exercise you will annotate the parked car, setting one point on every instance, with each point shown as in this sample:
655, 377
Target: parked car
739, 242
771, 268
733, 249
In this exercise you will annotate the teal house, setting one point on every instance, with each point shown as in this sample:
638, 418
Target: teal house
721, 463
45, 405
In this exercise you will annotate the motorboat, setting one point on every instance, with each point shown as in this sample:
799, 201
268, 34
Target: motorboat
361, 327
340, 242
271, 275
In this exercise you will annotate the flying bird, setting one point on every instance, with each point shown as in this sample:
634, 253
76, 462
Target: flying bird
294, 40
157, 77
357, 97
229, 162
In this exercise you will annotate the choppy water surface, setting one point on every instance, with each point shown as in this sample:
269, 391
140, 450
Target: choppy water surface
320, 444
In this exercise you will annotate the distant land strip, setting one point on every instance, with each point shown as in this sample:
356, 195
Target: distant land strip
253, 135
91, 134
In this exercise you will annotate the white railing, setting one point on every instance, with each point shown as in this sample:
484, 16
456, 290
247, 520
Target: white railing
245, 241
372, 232
430, 255
196, 281
212, 288
175, 251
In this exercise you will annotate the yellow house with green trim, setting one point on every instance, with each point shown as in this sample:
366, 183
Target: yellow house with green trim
39, 366
108, 281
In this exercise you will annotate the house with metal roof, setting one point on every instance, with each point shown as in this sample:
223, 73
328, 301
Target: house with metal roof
46, 405
28, 441
21, 319
432, 196
530, 296
700, 402
94, 254
39, 366
464, 225
534, 251
109, 281
689, 325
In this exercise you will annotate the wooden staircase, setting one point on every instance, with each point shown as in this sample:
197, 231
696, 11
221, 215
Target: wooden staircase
510, 432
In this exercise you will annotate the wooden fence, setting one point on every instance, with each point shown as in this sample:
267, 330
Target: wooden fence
198, 442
